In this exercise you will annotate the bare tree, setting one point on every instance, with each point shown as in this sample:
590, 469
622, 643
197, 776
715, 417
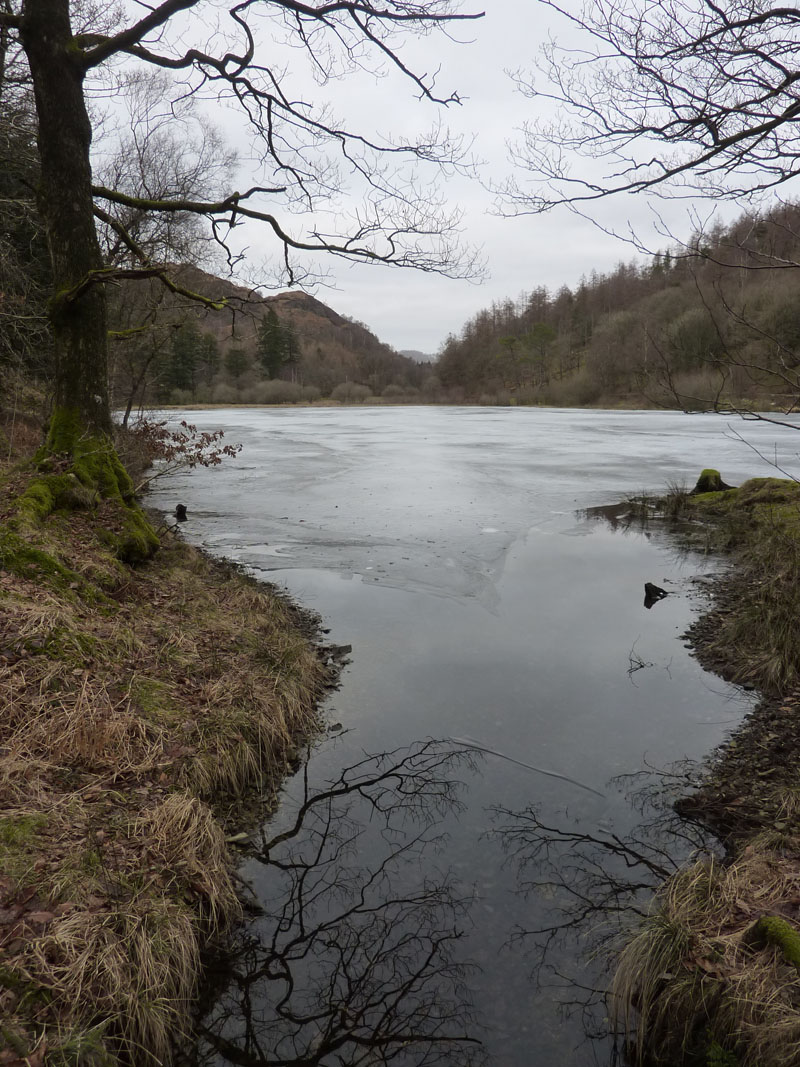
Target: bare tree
679, 99
164, 149
306, 154
684, 97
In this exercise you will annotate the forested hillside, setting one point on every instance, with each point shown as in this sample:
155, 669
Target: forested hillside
248, 349
715, 321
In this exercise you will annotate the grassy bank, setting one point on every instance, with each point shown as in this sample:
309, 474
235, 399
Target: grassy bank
144, 708
713, 975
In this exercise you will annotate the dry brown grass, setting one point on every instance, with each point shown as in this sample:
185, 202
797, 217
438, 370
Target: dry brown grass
714, 974
132, 700
182, 837
718, 962
695, 974
136, 968
756, 636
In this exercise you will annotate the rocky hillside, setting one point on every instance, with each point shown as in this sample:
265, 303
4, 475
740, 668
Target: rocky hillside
286, 346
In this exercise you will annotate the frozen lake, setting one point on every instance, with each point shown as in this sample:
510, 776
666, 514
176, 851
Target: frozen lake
449, 548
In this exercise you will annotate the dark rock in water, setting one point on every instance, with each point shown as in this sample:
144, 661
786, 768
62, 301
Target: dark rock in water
652, 594
180, 513
339, 652
335, 656
710, 481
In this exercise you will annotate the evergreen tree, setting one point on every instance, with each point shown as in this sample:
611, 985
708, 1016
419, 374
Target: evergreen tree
276, 345
208, 358
181, 370
291, 346
236, 362
272, 344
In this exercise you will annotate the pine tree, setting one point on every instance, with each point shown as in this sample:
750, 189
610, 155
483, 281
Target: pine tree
236, 362
271, 346
181, 370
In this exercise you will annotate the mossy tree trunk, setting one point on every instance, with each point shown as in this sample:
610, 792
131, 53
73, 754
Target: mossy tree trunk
78, 308
81, 420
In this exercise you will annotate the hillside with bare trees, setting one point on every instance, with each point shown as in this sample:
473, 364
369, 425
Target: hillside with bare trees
713, 321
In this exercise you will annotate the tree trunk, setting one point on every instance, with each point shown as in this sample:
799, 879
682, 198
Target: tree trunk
65, 202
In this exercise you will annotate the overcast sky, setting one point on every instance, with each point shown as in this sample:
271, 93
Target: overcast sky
416, 311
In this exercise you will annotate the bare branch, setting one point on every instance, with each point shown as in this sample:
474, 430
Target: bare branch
105, 47
674, 99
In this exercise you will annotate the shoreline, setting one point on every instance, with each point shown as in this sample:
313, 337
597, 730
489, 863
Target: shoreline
623, 404
138, 740
711, 978
151, 711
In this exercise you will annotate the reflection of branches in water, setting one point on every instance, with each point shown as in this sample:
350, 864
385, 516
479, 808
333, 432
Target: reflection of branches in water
355, 964
597, 884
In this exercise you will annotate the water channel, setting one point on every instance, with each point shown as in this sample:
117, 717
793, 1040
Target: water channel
404, 877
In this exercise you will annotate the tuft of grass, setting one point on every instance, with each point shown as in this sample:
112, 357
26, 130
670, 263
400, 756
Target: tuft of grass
135, 969
182, 837
81, 1048
675, 504
711, 965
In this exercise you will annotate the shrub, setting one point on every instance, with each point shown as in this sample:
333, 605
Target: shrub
224, 394
351, 392
432, 387
277, 391
580, 390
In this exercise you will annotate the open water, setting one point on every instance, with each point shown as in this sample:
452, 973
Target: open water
445, 865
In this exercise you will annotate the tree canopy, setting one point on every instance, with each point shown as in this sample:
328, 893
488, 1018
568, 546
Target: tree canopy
307, 155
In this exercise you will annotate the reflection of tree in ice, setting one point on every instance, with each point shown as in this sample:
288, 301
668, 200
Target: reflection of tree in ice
353, 963
594, 887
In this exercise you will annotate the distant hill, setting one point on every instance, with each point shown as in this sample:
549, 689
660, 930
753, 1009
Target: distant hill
198, 354
333, 348
418, 357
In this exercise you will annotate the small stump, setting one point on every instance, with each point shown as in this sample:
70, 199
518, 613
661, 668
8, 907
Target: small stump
710, 481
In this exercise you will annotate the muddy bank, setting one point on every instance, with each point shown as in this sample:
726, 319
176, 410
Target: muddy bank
712, 976
751, 774
148, 712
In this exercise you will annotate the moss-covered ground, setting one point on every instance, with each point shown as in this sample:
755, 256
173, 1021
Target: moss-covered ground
143, 707
711, 977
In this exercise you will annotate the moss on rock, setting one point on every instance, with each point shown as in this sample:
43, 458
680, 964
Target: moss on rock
710, 481
772, 930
